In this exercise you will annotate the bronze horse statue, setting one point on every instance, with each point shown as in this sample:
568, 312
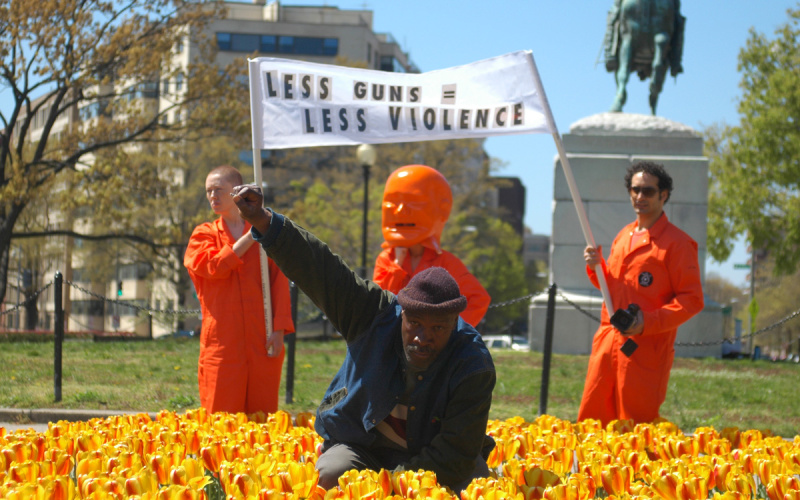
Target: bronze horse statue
646, 37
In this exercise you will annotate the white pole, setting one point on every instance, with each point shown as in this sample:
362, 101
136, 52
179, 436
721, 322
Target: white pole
257, 179
573, 188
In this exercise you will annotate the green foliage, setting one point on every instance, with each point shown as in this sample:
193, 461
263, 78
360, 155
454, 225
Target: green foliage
214, 489
755, 166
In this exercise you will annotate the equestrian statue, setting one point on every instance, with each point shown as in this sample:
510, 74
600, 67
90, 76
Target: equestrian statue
646, 37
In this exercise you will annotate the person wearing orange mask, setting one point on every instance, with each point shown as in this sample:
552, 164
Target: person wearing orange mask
416, 205
654, 265
239, 368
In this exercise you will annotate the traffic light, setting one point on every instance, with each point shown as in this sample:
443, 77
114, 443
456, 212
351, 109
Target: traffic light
119, 288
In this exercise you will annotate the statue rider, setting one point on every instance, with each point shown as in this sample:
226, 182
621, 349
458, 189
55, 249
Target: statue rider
646, 37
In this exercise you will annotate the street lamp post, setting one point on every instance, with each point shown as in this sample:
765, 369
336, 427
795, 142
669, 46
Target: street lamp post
366, 157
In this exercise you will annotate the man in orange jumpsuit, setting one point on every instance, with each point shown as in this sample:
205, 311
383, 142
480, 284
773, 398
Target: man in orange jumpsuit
239, 369
652, 264
416, 205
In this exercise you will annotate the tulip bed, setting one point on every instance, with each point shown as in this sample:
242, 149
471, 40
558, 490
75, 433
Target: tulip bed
223, 456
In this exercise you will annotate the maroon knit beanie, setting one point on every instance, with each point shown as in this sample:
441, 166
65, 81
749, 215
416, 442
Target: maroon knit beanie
432, 291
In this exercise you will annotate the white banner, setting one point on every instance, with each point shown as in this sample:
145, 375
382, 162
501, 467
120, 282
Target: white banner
299, 104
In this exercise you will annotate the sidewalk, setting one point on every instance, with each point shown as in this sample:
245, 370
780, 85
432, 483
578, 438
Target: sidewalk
37, 419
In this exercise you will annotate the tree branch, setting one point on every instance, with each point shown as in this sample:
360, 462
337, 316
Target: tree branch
98, 237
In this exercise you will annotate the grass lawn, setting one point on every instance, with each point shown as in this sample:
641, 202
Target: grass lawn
162, 374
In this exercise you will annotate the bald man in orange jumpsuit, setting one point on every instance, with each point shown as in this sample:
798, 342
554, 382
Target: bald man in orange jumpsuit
239, 369
652, 264
416, 205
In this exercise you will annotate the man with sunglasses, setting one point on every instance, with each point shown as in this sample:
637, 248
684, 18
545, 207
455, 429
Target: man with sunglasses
653, 265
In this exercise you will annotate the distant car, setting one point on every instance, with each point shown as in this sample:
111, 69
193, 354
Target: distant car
506, 342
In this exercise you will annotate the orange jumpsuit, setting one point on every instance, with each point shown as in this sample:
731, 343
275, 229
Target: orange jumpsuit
234, 372
392, 277
662, 275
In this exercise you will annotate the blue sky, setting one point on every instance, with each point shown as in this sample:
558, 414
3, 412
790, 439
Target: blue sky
566, 39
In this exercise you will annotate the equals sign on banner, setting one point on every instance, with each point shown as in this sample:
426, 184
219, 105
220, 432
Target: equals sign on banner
449, 94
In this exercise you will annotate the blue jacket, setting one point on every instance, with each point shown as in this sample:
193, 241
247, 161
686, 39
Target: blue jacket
449, 407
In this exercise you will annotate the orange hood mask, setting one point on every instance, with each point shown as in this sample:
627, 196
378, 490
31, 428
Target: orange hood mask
416, 205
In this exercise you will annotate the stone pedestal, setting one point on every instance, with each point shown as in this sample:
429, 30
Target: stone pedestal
600, 148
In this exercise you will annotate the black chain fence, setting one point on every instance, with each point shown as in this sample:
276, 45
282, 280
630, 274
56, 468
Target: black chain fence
697, 344
182, 313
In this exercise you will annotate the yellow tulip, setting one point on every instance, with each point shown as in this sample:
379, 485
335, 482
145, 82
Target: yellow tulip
740, 482
212, 456
620, 426
497, 455
616, 479
304, 419
667, 486
732, 434
781, 486
176, 492
562, 460
586, 485
542, 478
792, 460
563, 492
767, 469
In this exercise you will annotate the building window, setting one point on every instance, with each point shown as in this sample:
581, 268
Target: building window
224, 41
369, 53
93, 110
179, 82
330, 47
274, 44
88, 307
244, 43
269, 43
137, 271
286, 45
390, 63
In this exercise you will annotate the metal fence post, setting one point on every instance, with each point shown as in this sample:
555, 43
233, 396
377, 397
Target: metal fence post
548, 348
290, 341
58, 331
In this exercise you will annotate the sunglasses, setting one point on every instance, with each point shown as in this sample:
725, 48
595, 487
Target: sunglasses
647, 191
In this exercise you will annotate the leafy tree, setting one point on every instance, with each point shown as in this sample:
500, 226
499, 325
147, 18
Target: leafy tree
776, 296
755, 166
82, 77
733, 299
